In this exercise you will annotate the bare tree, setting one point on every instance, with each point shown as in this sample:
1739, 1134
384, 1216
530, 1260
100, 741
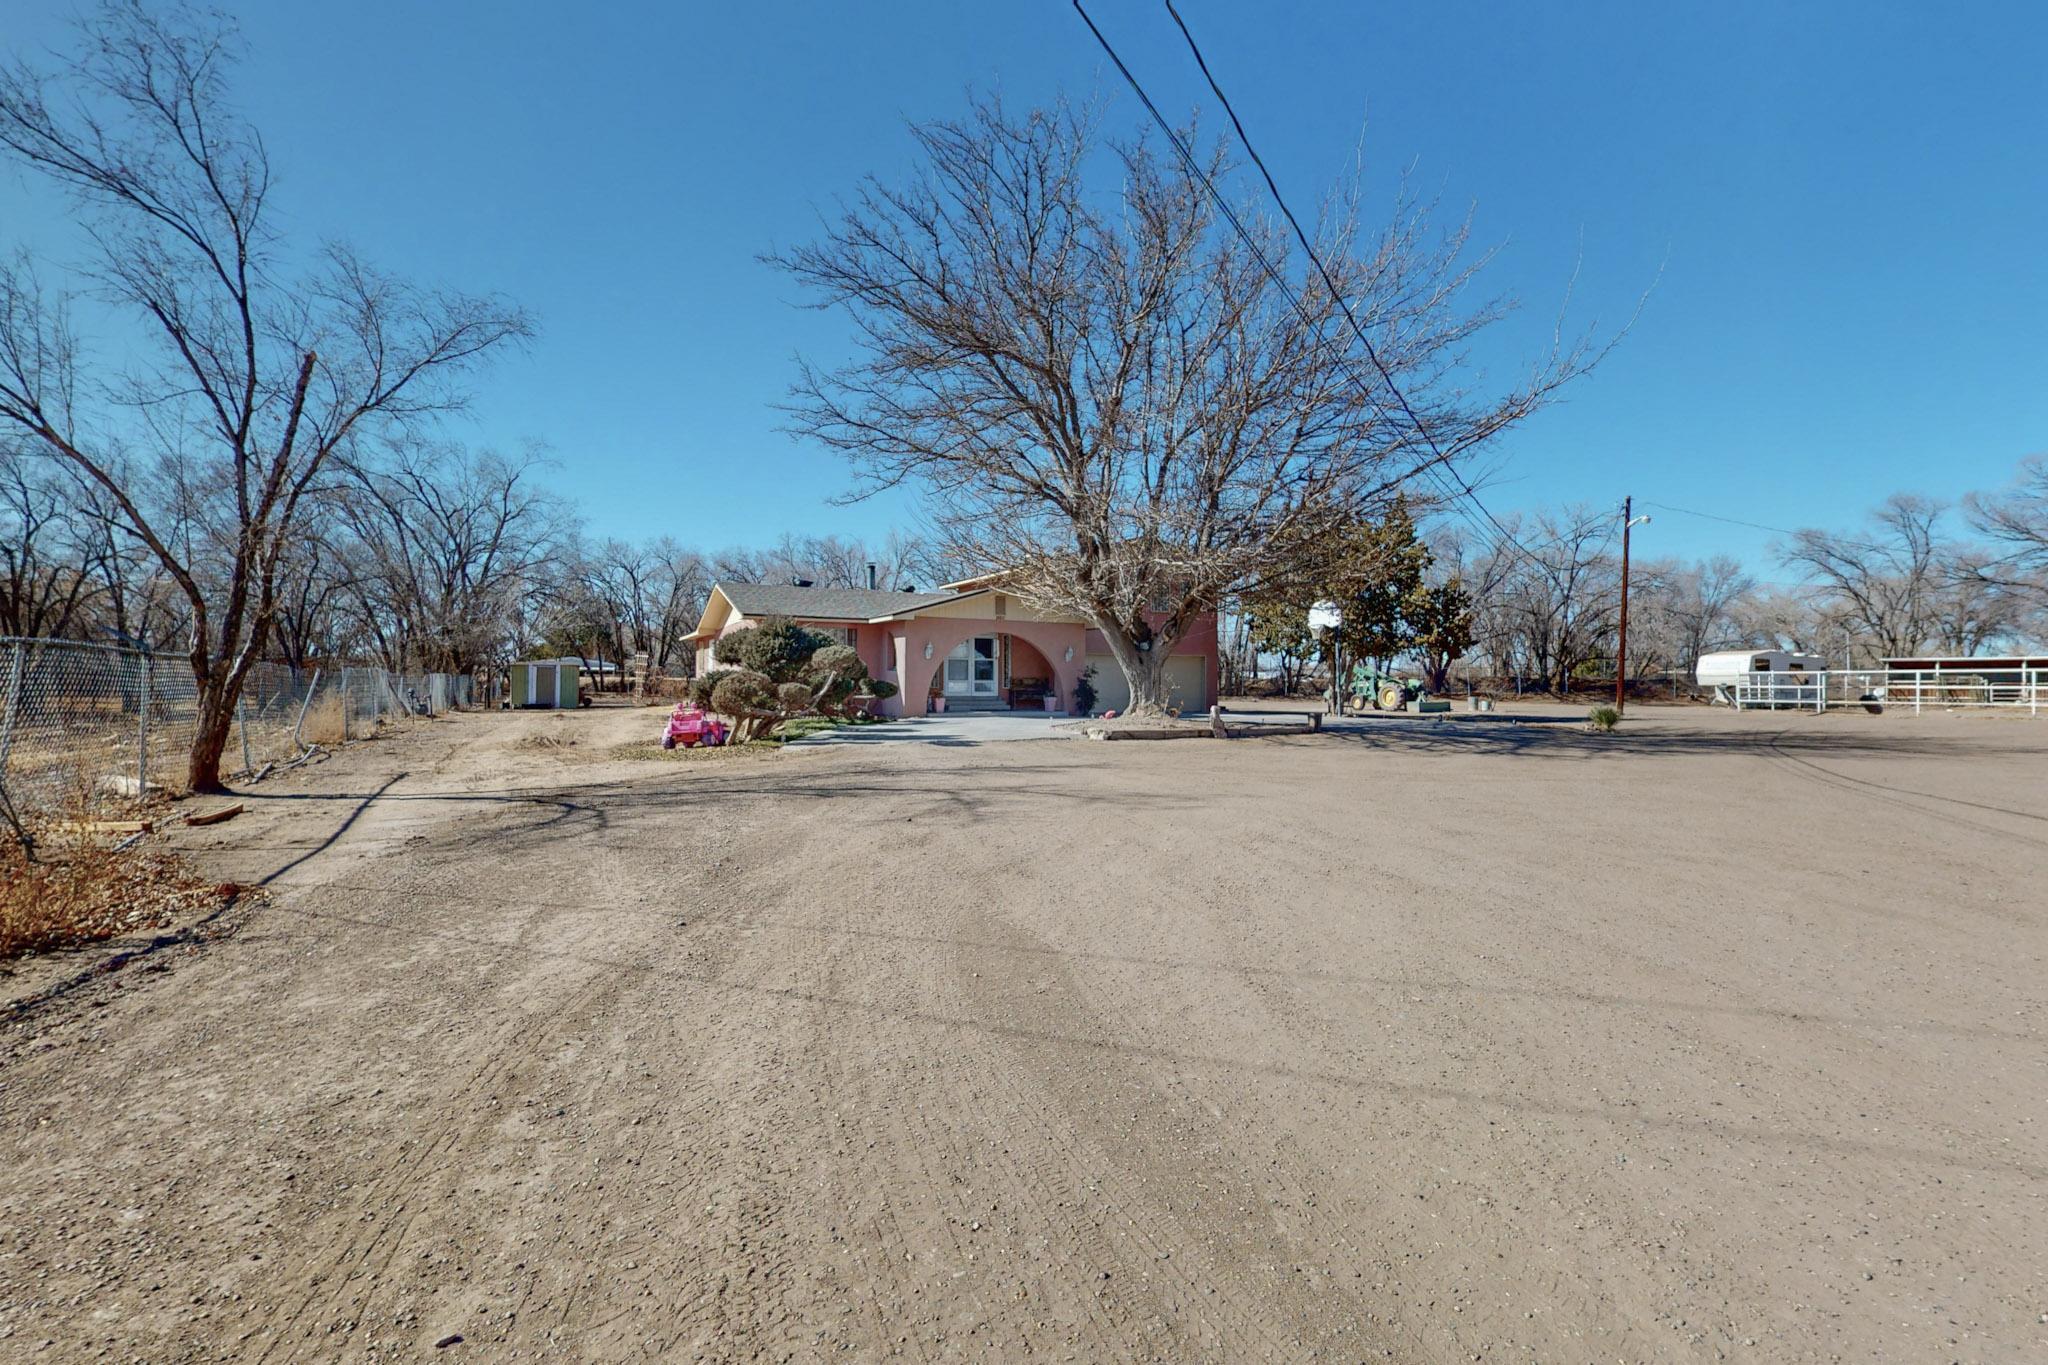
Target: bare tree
256, 379
434, 542
674, 591
1107, 397
1547, 604
2015, 521
1888, 584
1688, 608
902, 560
49, 571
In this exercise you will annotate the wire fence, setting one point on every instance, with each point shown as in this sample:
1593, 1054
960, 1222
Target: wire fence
83, 722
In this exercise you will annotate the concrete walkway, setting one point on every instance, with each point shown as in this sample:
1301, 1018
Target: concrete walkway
965, 728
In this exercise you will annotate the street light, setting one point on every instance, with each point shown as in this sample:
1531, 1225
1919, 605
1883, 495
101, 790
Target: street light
1628, 523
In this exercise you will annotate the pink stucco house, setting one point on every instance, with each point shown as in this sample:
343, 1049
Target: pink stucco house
971, 643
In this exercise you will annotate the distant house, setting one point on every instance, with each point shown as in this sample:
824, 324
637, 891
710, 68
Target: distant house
971, 643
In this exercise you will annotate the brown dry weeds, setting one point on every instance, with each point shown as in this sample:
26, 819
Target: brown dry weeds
79, 889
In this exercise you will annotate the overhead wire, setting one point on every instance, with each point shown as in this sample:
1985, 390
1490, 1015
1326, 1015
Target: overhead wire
1439, 464
1308, 249
1365, 342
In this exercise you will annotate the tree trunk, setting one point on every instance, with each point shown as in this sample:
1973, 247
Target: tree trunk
210, 741
1144, 672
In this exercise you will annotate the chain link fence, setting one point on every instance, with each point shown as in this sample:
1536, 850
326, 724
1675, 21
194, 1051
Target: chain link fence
79, 722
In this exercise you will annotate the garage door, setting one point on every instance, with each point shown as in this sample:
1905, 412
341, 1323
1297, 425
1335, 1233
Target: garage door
1111, 693
1187, 677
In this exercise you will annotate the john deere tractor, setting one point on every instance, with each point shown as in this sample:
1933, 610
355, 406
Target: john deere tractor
1370, 688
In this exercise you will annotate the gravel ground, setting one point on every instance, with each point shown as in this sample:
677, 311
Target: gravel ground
1722, 1037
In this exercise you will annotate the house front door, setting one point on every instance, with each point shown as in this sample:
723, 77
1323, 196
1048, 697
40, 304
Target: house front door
971, 669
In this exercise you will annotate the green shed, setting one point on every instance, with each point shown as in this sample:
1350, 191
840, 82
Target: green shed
545, 683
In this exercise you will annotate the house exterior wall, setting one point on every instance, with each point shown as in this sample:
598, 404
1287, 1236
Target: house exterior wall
896, 650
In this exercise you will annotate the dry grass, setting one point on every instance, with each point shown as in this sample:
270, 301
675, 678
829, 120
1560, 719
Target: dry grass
326, 721
79, 890
651, 751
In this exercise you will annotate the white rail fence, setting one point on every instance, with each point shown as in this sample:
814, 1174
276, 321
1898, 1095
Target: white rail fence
1904, 689
80, 721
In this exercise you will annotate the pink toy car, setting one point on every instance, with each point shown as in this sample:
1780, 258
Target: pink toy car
689, 727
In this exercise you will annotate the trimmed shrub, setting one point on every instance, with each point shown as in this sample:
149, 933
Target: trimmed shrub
702, 686
835, 675
881, 689
793, 697
838, 660
778, 648
744, 696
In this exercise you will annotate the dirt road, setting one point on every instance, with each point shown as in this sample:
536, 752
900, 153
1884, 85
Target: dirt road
1463, 1042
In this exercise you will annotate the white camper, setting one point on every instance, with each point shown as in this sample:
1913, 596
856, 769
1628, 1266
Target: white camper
1774, 676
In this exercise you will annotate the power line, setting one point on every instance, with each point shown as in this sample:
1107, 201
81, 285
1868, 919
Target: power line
1195, 169
1371, 352
1759, 526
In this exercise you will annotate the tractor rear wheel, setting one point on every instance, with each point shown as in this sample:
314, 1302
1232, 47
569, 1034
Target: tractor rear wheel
1393, 697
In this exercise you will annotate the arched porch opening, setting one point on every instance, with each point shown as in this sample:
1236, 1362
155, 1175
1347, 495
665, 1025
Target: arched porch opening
1036, 660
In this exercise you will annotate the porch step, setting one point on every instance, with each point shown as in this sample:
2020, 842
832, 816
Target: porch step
956, 705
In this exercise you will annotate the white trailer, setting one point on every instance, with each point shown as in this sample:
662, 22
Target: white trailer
1764, 677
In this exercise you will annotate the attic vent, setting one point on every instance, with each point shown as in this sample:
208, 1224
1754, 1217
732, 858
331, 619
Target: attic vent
1002, 606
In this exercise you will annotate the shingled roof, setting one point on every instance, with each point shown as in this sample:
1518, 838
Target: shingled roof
825, 604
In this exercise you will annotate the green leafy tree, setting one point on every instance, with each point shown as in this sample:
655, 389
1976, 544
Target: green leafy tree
1279, 626
1384, 569
1374, 574
1440, 617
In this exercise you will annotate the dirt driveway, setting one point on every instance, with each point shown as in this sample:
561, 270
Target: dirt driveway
1721, 1038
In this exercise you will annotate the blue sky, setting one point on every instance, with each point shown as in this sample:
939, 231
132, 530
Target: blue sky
1848, 203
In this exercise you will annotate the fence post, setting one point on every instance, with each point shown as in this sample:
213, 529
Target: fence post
298, 730
242, 724
142, 731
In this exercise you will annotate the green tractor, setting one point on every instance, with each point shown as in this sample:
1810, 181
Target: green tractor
1372, 689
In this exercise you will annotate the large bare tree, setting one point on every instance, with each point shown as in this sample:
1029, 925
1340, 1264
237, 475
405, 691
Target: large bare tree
50, 570
1888, 584
255, 373
432, 544
1107, 396
2015, 520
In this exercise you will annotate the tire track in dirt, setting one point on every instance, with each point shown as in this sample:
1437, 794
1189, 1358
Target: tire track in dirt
366, 1238
1116, 1106
1773, 751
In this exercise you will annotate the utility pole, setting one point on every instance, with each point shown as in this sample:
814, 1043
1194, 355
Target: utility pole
1628, 523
